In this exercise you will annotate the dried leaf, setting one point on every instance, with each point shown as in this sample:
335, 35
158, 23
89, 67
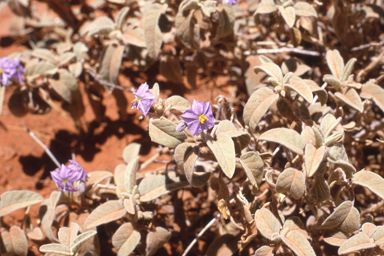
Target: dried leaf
152, 33
286, 137
291, 180
224, 150
19, 241
17, 199
157, 239
288, 14
370, 180
107, 212
335, 63
374, 92
178, 103
313, 158
125, 239
163, 131
356, 243
267, 223
253, 166
304, 9
154, 186
352, 99
131, 151
298, 243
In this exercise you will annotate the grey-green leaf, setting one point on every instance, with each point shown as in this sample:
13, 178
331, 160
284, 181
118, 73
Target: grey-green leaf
313, 158
163, 131
356, 243
107, 212
81, 239
304, 9
338, 216
298, 243
370, 180
286, 137
17, 199
130, 174
253, 166
288, 14
301, 88
101, 25
178, 103
125, 239
157, 239
374, 92
293, 181
19, 241
335, 63
55, 249
224, 150
131, 151
351, 98
267, 223
270, 69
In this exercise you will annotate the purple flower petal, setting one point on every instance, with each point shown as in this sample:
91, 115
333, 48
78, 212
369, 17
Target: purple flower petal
199, 117
144, 99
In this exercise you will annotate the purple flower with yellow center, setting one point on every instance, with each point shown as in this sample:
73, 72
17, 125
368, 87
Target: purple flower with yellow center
199, 117
64, 178
229, 1
144, 99
17, 68
7, 70
76, 167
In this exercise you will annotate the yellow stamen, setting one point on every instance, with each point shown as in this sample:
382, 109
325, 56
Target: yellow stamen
1, 71
136, 99
203, 118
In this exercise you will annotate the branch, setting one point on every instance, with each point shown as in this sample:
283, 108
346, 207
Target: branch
107, 84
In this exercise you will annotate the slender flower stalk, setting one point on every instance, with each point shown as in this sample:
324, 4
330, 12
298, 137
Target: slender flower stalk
144, 99
199, 117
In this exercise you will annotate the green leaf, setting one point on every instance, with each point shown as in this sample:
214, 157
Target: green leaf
253, 166
370, 180
257, 105
286, 137
105, 213
224, 150
125, 239
163, 131
17, 199
152, 33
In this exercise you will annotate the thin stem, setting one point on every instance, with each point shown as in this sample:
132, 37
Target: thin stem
107, 84
2, 94
200, 234
49, 153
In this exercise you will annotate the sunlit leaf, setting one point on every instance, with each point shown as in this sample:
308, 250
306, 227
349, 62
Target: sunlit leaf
264, 251
163, 131
224, 150
352, 99
59, 249
266, 6
267, 223
101, 25
374, 92
178, 103
131, 151
356, 243
291, 180
286, 137
301, 88
104, 213
370, 180
344, 215
288, 14
81, 239
17, 199
336, 238
121, 16
304, 9
157, 239
19, 241
125, 239
348, 69
335, 63
328, 124
130, 174
294, 223
253, 166
298, 243
270, 69
313, 158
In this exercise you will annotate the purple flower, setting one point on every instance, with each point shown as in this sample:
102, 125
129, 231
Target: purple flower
7, 70
18, 69
199, 117
229, 1
64, 178
144, 99
76, 167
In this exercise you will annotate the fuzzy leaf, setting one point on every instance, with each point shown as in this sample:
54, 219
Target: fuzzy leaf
298, 243
266, 6
378, 235
224, 150
370, 180
163, 131
335, 63
356, 243
81, 239
333, 81
154, 186
125, 239
320, 189
320, 92
313, 158
157, 239
19, 241
178, 103
226, 21
328, 124
291, 180
374, 92
294, 223
131, 151
105, 213
345, 215
348, 69
305, 9
301, 88
185, 30
286, 137
336, 238
257, 105
130, 174
179, 154
352, 99
59, 249
17, 199
253, 166
121, 16
369, 229
288, 14
101, 25
152, 33
267, 223
270, 69
264, 251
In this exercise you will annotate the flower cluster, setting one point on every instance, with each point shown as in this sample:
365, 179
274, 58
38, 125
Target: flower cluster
199, 117
10, 69
71, 177
144, 99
